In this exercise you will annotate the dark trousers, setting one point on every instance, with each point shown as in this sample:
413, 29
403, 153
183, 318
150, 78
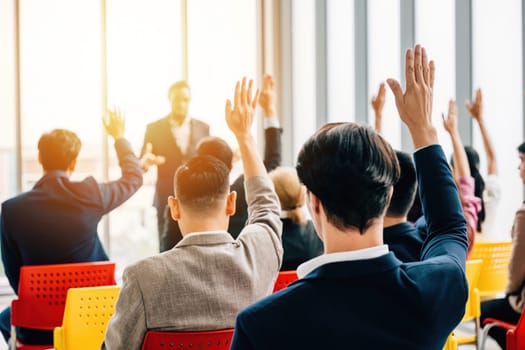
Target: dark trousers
25, 335
499, 309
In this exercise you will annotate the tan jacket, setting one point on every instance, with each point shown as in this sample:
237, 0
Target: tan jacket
517, 262
205, 280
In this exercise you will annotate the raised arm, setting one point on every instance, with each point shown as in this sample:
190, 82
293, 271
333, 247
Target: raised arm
476, 111
378, 102
461, 167
272, 129
117, 192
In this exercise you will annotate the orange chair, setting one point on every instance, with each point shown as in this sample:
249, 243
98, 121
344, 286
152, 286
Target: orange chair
515, 333
218, 340
284, 278
42, 293
493, 276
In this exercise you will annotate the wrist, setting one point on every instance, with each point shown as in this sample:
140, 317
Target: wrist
268, 112
423, 136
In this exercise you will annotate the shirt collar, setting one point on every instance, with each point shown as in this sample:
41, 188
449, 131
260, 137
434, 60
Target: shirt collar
360, 254
185, 123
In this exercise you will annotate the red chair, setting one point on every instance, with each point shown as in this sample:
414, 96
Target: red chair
218, 340
284, 278
515, 333
42, 291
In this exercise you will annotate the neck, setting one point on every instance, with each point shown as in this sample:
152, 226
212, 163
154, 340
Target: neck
203, 225
336, 240
391, 220
179, 119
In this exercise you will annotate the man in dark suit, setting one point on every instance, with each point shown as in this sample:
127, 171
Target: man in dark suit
359, 295
56, 222
218, 148
168, 143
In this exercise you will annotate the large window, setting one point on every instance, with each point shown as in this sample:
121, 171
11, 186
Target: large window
497, 70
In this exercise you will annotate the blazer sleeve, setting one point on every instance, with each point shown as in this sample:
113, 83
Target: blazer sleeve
272, 148
240, 340
517, 259
446, 225
127, 327
10, 256
113, 194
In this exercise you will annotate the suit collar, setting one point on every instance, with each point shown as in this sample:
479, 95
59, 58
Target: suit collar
205, 238
50, 175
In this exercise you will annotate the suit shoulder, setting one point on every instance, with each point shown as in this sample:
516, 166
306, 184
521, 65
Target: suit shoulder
200, 123
157, 123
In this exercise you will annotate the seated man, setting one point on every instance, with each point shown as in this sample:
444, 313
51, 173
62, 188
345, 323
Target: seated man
208, 277
56, 222
358, 294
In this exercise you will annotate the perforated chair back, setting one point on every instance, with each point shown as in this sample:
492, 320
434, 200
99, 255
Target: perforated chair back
217, 340
42, 291
86, 317
494, 271
284, 278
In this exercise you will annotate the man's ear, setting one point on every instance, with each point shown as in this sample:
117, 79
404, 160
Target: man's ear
174, 208
315, 203
231, 203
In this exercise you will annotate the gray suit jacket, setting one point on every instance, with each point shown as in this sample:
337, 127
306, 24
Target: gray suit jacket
205, 280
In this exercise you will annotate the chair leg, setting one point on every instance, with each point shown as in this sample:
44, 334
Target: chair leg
484, 335
476, 331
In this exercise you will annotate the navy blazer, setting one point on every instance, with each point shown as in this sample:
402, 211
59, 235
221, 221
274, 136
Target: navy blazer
379, 303
160, 136
405, 240
56, 222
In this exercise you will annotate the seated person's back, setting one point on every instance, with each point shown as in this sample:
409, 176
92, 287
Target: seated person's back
208, 277
300, 241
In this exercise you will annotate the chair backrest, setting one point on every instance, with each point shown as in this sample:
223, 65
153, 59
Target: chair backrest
42, 291
452, 343
494, 271
86, 317
217, 340
516, 336
472, 308
284, 278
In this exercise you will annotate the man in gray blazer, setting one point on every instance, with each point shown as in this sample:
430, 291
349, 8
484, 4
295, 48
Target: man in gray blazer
208, 277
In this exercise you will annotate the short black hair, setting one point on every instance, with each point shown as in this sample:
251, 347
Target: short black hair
216, 147
201, 183
521, 148
405, 188
58, 148
351, 169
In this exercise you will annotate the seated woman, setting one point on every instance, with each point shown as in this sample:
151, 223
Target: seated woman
300, 241
509, 309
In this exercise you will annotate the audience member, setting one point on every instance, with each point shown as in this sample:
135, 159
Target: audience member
300, 241
461, 169
56, 221
509, 309
489, 190
358, 293
208, 277
218, 148
168, 143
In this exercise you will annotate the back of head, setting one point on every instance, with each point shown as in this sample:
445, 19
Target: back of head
202, 184
216, 147
479, 183
290, 191
521, 148
351, 169
57, 149
405, 188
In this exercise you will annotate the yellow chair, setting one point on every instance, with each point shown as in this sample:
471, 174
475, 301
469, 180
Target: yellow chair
494, 272
452, 343
472, 307
86, 316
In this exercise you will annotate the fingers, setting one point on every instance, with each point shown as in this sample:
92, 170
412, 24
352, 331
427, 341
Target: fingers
409, 69
381, 91
452, 108
237, 96
228, 108
468, 104
267, 82
149, 148
479, 96
426, 69
249, 94
255, 99
418, 64
244, 97
396, 89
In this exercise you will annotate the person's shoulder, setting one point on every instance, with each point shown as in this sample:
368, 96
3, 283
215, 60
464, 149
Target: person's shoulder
199, 123
161, 122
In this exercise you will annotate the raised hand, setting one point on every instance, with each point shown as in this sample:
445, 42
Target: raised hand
378, 102
114, 123
240, 117
451, 121
267, 96
476, 109
149, 158
415, 104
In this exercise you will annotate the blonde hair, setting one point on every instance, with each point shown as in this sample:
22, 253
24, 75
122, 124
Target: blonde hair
290, 191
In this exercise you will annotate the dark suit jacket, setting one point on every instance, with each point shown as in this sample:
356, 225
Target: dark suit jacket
405, 241
379, 303
272, 159
300, 243
56, 222
161, 138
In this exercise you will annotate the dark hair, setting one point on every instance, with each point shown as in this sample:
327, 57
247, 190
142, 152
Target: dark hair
351, 169
181, 84
58, 148
521, 148
216, 147
479, 183
405, 188
201, 183
415, 211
